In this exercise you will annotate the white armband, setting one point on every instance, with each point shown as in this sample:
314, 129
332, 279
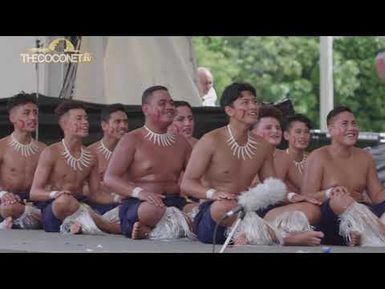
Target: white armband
290, 196
136, 191
53, 194
210, 193
2, 193
328, 192
116, 197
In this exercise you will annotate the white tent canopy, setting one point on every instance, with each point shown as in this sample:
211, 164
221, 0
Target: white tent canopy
123, 67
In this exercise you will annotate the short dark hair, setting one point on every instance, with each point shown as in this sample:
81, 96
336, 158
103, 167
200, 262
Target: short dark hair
149, 91
270, 111
297, 117
233, 91
21, 99
179, 103
110, 109
336, 111
66, 106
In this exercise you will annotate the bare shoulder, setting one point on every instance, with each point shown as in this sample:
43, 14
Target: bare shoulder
319, 154
4, 141
41, 145
94, 147
362, 154
213, 137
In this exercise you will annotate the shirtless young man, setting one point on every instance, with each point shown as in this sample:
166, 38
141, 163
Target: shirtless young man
19, 154
146, 165
217, 173
62, 170
184, 122
268, 126
114, 123
337, 174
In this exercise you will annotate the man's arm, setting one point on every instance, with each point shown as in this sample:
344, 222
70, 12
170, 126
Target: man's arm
198, 164
118, 165
267, 170
312, 179
41, 177
376, 190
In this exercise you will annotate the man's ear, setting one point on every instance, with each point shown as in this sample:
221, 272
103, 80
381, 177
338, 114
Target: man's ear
104, 125
145, 108
229, 110
286, 135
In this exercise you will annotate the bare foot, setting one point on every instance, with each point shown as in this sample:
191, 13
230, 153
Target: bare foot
241, 240
312, 238
76, 228
140, 231
355, 239
8, 222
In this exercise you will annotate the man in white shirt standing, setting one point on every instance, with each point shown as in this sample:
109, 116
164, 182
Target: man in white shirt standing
205, 86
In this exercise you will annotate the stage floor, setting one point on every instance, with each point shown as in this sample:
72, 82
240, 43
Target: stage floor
40, 242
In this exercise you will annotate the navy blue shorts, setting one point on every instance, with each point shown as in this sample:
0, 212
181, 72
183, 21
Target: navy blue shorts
262, 212
50, 222
204, 225
102, 208
330, 224
128, 211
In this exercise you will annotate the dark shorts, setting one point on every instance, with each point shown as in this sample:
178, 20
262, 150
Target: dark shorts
330, 224
50, 222
262, 212
204, 225
128, 211
102, 208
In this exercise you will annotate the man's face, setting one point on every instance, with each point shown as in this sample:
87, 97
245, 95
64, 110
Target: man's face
298, 135
343, 129
161, 108
24, 117
269, 128
117, 125
76, 123
244, 108
184, 121
205, 83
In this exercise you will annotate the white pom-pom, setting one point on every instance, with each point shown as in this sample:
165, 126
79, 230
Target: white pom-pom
270, 192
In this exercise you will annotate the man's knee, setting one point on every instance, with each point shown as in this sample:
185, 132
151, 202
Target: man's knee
219, 208
15, 210
339, 204
64, 206
150, 214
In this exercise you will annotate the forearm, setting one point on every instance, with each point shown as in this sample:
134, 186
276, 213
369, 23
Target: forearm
41, 195
119, 186
194, 188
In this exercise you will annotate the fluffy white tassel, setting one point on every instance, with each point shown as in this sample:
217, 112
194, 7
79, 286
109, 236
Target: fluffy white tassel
292, 222
172, 225
358, 218
271, 191
83, 217
30, 219
112, 215
257, 231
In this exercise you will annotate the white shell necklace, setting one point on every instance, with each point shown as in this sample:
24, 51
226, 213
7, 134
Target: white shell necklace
247, 150
26, 150
74, 163
301, 164
162, 139
104, 150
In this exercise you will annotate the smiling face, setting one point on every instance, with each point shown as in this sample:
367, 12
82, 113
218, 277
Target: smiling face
298, 135
116, 125
75, 122
24, 117
160, 108
343, 129
269, 128
244, 108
